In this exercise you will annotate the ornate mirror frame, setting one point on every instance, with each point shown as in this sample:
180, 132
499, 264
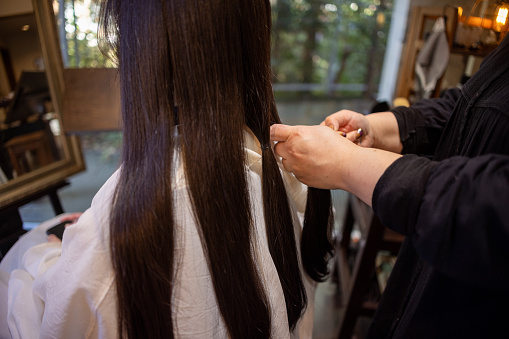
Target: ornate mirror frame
31, 183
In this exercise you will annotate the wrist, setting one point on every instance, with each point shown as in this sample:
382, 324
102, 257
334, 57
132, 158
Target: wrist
362, 169
374, 130
347, 167
385, 130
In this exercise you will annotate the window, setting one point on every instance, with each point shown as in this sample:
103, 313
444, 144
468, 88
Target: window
329, 47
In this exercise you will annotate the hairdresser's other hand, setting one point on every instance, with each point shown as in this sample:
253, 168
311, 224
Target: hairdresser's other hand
348, 122
313, 153
379, 130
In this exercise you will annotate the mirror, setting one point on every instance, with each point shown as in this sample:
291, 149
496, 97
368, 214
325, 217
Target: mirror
34, 151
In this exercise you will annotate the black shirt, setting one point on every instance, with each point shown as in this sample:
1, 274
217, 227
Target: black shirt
451, 200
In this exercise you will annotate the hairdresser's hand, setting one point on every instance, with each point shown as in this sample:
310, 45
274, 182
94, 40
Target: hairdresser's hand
347, 123
322, 158
313, 153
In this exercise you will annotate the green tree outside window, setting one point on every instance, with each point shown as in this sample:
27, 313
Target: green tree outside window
324, 48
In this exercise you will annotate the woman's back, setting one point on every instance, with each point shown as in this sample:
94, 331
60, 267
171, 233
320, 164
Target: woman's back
81, 283
211, 234
202, 68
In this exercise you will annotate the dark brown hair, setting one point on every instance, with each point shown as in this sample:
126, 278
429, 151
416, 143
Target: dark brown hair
206, 66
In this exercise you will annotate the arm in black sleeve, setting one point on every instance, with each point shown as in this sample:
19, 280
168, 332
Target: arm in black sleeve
455, 213
421, 125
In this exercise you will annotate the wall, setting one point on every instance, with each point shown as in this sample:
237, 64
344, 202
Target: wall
15, 7
23, 47
25, 51
461, 3
456, 62
397, 35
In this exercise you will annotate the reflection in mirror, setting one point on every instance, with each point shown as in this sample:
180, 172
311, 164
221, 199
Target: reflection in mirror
30, 134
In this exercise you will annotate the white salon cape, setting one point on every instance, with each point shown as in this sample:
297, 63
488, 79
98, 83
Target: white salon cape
48, 290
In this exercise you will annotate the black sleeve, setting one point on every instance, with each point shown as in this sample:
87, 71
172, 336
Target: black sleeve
421, 125
455, 213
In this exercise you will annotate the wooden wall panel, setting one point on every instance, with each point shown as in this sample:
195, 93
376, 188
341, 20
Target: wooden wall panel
91, 100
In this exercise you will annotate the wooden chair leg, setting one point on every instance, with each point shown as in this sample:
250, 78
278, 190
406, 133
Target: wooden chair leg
359, 283
354, 280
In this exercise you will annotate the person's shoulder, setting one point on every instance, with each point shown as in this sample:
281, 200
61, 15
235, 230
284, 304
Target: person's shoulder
93, 224
107, 190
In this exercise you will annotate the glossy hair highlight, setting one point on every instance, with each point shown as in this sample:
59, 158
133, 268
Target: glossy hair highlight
211, 59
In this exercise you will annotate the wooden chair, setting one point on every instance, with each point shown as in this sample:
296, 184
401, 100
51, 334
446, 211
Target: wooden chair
11, 224
29, 151
354, 279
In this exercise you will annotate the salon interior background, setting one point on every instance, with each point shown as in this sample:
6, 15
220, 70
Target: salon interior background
327, 55
323, 50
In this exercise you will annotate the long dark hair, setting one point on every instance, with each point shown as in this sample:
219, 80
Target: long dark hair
206, 66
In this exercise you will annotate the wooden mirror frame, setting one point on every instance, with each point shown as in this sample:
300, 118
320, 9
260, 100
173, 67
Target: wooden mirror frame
18, 189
